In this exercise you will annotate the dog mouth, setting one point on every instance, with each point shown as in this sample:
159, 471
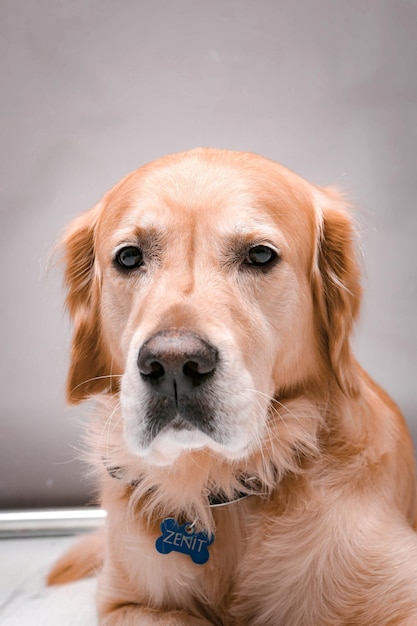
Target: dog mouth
178, 423
181, 415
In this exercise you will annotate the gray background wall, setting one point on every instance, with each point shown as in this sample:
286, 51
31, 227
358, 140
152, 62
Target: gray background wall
92, 89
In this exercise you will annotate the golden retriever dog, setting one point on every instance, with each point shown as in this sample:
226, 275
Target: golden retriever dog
252, 473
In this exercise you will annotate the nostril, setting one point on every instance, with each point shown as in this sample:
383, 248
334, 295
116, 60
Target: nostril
191, 368
150, 366
153, 370
197, 370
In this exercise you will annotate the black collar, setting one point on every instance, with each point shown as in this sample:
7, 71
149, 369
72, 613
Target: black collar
251, 486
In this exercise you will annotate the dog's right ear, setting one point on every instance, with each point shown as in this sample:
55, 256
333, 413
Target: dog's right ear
90, 365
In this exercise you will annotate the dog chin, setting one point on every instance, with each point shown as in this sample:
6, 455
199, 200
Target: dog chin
170, 444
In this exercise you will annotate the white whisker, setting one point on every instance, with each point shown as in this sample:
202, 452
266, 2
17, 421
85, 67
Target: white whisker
90, 380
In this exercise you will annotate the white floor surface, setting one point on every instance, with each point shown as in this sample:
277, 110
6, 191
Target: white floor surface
24, 597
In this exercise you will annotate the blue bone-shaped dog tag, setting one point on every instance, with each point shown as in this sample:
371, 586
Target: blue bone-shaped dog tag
184, 539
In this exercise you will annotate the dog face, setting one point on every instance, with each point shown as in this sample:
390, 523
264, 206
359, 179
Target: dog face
201, 287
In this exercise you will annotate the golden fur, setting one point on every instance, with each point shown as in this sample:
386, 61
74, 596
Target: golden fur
327, 538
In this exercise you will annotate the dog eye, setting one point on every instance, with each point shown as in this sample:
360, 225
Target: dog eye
129, 257
260, 256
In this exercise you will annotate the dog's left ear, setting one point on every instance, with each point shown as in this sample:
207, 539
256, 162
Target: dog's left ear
336, 286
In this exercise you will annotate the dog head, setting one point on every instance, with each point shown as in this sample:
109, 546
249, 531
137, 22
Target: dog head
203, 286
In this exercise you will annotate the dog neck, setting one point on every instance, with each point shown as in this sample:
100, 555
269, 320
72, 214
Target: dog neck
250, 486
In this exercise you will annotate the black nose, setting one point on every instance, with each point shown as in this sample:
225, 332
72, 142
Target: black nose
176, 361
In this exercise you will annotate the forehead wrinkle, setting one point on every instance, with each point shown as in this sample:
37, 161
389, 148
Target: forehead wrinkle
258, 230
135, 225
149, 239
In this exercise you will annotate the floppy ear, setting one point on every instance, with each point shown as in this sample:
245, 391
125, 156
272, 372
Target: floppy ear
337, 288
90, 365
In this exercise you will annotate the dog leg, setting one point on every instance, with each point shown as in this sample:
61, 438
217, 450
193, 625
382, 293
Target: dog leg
134, 615
83, 559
